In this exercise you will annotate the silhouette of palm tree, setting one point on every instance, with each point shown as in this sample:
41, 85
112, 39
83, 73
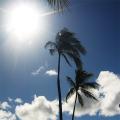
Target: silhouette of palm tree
81, 85
67, 46
59, 4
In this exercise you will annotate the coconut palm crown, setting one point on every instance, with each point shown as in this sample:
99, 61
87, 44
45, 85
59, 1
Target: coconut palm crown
81, 85
68, 46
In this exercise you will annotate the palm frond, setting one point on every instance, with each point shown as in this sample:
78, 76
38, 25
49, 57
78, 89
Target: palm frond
88, 94
66, 33
80, 99
59, 4
87, 75
50, 44
68, 48
81, 48
66, 59
52, 51
69, 38
70, 81
82, 76
76, 59
70, 93
90, 85
78, 74
75, 42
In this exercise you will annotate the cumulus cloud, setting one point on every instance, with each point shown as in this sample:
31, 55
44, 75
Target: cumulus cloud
18, 100
10, 99
108, 105
38, 71
111, 87
39, 109
6, 115
4, 105
43, 109
51, 72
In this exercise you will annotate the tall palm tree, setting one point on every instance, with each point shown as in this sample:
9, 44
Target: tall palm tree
81, 85
67, 46
59, 4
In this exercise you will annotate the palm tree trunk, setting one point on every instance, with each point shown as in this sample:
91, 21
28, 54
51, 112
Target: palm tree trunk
74, 107
59, 90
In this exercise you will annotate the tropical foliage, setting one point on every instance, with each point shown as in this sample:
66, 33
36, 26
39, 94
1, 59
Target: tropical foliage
68, 47
81, 85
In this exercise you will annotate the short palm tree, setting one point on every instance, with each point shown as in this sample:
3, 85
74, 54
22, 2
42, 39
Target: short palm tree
67, 46
81, 85
59, 4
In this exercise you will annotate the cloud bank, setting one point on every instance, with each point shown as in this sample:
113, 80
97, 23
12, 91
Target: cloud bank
43, 109
4, 105
111, 87
6, 115
39, 109
108, 105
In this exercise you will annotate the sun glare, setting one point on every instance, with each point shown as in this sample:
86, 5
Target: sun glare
23, 21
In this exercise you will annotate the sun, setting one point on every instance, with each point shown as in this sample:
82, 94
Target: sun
23, 21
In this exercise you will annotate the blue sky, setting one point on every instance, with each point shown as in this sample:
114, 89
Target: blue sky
96, 24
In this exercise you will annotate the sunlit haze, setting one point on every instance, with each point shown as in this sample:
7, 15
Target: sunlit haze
23, 21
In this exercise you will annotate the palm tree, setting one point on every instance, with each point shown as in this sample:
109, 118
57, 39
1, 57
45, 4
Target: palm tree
67, 46
59, 4
81, 85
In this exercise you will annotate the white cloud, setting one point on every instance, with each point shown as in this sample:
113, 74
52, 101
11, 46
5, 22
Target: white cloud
111, 88
42, 109
4, 105
39, 109
10, 99
6, 115
18, 100
38, 71
108, 105
51, 72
